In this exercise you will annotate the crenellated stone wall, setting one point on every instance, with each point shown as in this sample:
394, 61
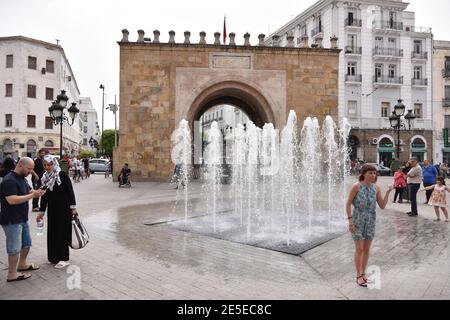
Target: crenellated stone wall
164, 82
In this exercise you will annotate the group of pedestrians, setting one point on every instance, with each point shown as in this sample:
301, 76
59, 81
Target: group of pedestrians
366, 194
54, 188
80, 169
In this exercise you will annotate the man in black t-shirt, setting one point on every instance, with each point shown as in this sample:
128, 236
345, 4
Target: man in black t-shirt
87, 174
37, 174
14, 196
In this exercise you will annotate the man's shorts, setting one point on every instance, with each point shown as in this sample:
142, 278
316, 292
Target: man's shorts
17, 238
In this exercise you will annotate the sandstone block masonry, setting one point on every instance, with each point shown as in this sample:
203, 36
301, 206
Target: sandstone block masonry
162, 83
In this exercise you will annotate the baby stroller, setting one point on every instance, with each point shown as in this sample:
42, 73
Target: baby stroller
125, 181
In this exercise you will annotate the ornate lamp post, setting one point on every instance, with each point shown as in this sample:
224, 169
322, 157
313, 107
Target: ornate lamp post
56, 111
397, 120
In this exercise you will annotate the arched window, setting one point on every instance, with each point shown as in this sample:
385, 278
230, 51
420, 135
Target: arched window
8, 146
31, 148
49, 144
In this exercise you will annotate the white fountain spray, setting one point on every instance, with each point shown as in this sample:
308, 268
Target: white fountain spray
288, 150
214, 160
332, 154
181, 155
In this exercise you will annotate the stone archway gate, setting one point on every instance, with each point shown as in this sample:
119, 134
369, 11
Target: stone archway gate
163, 83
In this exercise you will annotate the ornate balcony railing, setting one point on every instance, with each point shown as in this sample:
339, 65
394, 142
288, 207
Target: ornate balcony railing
353, 22
390, 52
353, 50
446, 102
419, 55
316, 31
419, 82
353, 78
392, 25
387, 80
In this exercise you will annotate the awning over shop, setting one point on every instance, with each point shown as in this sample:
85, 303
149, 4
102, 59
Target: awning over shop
385, 150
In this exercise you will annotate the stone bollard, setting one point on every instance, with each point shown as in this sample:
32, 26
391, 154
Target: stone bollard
187, 36
247, 39
334, 41
290, 40
141, 35
305, 42
319, 42
232, 39
125, 34
202, 37
217, 38
156, 35
171, 36
261, 38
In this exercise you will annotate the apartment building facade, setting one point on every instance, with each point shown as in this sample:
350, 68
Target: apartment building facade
32, 74
385, 57
90, 126
441, 100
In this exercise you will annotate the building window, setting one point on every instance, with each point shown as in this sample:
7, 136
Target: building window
352, 108
447, 65
418, 110
351, 68
417, 72
31, 91
378, 42
31, 121
85, 142
378, 70
447, 122
8, 90
447, 92
49, 144
48, 93
85, 129
32, 63
418, 46
49, 66
48, 123
351, 16
385, 107
392, 43
392, 70
8, 120
9, 61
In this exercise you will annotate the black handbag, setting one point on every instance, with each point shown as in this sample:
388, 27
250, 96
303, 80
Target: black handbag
80, 237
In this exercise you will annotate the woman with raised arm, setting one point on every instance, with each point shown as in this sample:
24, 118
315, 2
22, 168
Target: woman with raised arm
364, 196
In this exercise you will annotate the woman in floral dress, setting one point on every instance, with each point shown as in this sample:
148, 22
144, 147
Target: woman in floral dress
364, 196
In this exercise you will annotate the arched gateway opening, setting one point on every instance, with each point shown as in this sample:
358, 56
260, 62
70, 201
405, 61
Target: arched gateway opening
239, 95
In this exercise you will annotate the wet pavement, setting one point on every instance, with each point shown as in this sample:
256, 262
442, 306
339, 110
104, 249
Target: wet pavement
128, 259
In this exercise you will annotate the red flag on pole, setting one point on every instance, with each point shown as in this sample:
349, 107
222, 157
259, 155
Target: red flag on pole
224, 29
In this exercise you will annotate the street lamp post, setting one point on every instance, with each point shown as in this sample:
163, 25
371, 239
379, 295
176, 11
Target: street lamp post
397, 121
56, 111
114, 108
103, 115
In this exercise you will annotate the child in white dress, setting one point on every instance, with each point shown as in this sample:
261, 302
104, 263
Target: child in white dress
439, 197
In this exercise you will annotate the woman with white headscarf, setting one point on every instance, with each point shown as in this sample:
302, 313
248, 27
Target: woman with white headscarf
59, 201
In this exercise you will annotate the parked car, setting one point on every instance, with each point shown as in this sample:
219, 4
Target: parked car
99, 165
381, 170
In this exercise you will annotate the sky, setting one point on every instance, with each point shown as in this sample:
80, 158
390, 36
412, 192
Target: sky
88, 30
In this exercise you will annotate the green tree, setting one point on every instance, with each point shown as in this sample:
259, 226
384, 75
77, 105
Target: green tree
107, 142
86, 154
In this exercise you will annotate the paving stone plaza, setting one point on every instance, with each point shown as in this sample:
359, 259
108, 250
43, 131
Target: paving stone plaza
127, 259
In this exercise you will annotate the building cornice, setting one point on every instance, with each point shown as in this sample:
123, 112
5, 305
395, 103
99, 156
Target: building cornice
44, 44
320, 5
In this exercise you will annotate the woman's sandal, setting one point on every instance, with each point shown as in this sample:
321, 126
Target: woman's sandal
364, 284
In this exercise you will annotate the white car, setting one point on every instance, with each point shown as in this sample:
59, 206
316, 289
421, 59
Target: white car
99, 165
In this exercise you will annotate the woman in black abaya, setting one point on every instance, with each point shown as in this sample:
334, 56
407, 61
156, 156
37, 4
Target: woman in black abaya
59, 201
